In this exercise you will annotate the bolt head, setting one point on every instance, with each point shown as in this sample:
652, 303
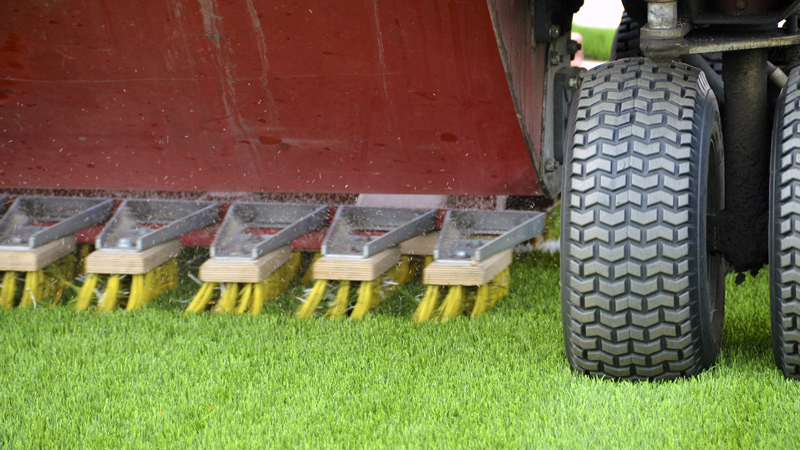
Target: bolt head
572, 82
555, 31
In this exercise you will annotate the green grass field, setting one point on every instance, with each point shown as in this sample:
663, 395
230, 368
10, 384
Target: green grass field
596, 41
154, 379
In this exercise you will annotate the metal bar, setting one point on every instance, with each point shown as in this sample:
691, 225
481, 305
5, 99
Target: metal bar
515, 236
178, 228
129, 228
295, 220
418, 226
84, 219
349, 232
714, 44
19, 226
307, 224
478, 235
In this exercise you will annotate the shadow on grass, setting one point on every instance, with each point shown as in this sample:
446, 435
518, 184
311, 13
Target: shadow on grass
747, 339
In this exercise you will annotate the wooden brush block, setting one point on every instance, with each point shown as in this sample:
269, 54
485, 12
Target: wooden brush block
240, 270
30, 260
468, 273
422, 245
131, 262
334, 267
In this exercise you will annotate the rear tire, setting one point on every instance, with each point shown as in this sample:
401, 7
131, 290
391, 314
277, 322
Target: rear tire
626, 39
784, 226
641, 296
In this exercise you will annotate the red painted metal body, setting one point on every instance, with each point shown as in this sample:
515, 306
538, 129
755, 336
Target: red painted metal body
313, 96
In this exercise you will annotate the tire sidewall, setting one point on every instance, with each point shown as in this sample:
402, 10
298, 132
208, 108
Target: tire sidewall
710, 128
774, 233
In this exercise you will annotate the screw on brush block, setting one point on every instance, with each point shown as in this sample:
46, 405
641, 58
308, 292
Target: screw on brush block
252, 259
137, 249
37, 238
472, 259
362, 249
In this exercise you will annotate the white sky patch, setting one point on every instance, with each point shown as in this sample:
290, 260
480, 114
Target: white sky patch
599, 14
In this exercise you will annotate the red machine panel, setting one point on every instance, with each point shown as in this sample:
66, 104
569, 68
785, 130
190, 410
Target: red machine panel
351, 96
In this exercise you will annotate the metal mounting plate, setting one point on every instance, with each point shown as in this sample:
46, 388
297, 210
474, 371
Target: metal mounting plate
672, 43
351, 231
141, 224
478, 235
238, 238
34, 221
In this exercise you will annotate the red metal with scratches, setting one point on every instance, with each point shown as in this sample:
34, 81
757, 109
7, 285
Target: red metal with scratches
525, 66
281, 96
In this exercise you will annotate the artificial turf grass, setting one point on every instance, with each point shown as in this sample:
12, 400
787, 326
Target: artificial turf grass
597, 42
153, 378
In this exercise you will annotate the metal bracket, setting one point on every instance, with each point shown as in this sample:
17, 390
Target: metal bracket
656, 47
549, 170
478, 235
566, 84
142, 224
238, 238
350, 232
34, 221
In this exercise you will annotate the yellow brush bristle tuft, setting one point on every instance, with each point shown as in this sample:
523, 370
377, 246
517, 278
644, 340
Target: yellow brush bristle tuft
368, 296
482, 301
245, 298
8, 290
145, 287
341, 302
33, 290
85, 293
499, 286
405, 270
259, 297
292, 267
201, 299
309, 307
308, 277
453, 302
426, 308
227, 301
111, 294
83, 253
140, 292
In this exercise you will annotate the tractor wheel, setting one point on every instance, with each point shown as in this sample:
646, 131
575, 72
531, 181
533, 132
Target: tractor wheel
641, 297
784, 226
626, 39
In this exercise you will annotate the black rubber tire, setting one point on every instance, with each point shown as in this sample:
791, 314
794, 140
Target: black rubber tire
641, 298
626, 39
784, 229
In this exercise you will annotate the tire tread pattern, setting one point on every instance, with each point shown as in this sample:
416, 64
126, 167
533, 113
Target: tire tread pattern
785, 229
630, 206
